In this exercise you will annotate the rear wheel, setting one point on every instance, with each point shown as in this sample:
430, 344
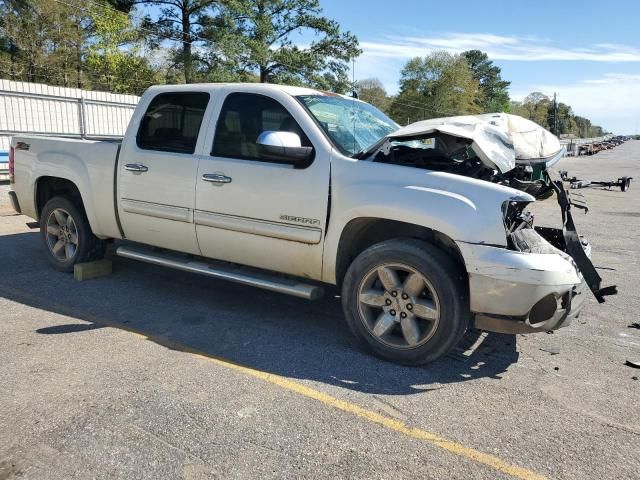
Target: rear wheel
406, 301
67, 235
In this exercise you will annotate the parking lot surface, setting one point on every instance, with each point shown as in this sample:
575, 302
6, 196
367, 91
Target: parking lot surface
154, 373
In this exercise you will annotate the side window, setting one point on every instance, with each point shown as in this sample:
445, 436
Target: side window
243, 118
172, 122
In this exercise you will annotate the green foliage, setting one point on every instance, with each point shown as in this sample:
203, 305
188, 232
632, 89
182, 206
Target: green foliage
437, 85
184, 22
108, 44
109, 66
260, 37
372, 91
73, 44
494, 93
540, 109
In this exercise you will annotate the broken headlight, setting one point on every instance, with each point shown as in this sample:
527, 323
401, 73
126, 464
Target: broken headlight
515, 217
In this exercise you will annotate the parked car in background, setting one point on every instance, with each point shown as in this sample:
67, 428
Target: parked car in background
4, 166
424, 228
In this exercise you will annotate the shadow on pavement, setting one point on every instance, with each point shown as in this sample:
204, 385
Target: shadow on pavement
69, 328
262, 330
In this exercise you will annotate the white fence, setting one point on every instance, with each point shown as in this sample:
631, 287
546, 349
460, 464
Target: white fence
33, 108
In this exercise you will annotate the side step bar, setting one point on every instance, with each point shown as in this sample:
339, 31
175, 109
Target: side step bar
224, 271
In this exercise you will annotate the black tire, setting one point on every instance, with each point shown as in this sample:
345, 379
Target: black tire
447, 280
88, 247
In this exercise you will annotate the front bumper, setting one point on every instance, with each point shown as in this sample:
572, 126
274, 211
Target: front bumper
516, 292
541, 285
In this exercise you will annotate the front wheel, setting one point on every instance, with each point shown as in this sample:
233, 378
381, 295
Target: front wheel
67, 235
406, 301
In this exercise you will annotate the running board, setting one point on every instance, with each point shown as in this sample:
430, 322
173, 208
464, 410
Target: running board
224, 271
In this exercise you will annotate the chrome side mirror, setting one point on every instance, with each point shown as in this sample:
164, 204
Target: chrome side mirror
283, 147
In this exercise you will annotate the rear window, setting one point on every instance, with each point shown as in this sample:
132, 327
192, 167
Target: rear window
172, 122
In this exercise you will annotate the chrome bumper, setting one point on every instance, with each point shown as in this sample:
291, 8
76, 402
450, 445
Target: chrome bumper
569, 307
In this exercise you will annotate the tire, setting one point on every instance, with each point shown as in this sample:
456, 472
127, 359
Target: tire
414, 330
79, 244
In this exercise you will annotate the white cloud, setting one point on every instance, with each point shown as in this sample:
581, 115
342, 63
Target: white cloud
498, 47
612, 100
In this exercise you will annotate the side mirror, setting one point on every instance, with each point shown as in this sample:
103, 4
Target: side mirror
283, 147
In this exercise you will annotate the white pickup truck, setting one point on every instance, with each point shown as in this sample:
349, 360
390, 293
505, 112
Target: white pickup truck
423, 227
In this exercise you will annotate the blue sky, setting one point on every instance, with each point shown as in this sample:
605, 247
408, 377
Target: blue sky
587, 51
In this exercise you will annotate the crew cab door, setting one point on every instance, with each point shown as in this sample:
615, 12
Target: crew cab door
157, 167
263, 213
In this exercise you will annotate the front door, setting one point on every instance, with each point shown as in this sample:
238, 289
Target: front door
158, 169
255, 212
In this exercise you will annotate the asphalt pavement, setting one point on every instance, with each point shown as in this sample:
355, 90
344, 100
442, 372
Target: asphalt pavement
154, 373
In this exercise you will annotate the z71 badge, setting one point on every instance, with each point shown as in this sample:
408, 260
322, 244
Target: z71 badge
303, 220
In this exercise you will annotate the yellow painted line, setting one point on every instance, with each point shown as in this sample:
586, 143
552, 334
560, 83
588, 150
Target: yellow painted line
296, 387
374, 417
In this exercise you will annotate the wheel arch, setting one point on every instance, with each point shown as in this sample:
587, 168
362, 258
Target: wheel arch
361, 233
47, 187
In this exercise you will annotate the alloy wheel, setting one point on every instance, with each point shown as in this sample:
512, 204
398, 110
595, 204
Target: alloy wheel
398, 306
62, 235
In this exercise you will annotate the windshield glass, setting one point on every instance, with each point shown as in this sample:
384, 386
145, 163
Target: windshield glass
352, 125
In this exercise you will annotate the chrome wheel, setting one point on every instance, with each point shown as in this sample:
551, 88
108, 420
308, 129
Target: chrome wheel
62, 235
398, 305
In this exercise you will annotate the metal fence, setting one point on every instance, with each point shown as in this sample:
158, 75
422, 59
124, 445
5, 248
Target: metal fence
36, 109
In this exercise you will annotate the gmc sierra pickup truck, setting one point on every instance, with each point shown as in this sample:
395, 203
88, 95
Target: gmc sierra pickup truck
424, 228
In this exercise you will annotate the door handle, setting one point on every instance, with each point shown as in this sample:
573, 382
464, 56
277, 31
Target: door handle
216, 178
136, 167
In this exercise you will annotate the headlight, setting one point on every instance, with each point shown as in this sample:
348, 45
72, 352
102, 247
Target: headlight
514, 215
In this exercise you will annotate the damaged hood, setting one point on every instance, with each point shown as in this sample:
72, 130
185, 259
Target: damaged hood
500, 140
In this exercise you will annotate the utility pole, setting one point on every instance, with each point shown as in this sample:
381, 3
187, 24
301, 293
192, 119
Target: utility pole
555, 114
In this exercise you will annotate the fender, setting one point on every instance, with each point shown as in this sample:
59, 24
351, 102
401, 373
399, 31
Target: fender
462, 208
88, 169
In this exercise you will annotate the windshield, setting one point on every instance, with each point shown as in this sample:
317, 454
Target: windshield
352, 125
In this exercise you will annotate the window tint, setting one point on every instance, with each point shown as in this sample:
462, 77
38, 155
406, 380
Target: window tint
243, 118
172, 122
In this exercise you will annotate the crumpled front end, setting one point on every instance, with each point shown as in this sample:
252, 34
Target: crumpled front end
540, 282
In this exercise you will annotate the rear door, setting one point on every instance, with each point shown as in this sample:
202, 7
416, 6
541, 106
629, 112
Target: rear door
157, 172
262, 213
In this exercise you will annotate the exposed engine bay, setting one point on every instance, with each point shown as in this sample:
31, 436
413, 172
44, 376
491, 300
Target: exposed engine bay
447, 153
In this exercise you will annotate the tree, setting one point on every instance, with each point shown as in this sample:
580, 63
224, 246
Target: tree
259, 38
437, 85
494, 91
537, 106
184, 21
44, 41
372, 91
111, 67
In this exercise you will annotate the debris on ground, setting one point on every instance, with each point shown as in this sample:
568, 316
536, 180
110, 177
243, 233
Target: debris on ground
623, 183
635, 325
551, 350
633, 363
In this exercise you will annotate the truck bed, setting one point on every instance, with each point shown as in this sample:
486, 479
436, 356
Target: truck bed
89, 164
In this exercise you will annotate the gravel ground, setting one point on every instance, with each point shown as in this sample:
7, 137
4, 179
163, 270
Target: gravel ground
81, 396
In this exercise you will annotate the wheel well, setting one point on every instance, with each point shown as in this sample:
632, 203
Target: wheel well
362, 233
49, 187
